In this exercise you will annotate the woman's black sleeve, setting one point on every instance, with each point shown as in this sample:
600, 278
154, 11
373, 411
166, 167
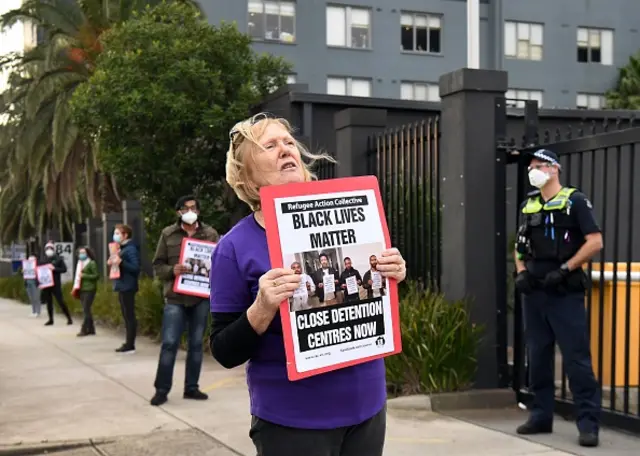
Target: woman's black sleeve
233, 340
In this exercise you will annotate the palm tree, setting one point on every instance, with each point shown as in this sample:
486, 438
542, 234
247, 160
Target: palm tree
47, 154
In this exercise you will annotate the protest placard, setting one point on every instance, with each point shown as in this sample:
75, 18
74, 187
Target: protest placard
44, 274
29, 269
196, 255
77, 280
114, 269
330, 230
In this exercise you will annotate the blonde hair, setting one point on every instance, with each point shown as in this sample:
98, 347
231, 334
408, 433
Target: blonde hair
244, 143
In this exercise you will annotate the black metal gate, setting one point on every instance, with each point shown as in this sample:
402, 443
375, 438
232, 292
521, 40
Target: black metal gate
602, 161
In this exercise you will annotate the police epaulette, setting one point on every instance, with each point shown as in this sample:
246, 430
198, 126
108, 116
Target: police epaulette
533, 193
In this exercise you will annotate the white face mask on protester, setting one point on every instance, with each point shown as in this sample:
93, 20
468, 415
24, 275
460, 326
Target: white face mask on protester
538, 178
49, 252
189, 217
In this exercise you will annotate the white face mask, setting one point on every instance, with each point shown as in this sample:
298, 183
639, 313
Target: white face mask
48, 252
538, 178
189, 217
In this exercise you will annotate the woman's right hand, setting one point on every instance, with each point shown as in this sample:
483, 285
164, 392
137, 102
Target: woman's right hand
277, 285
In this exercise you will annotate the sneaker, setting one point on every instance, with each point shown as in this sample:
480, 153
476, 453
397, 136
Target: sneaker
158, 399
588, 439
33, 315
531, 428
49, 323
126, 350
195, 394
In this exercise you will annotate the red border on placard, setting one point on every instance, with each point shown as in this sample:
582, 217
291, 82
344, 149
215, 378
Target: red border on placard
268, 195
181, 259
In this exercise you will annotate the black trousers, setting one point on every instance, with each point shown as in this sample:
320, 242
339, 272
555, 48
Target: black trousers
364, 439
47, 296
86, 299
128, 307
549, 319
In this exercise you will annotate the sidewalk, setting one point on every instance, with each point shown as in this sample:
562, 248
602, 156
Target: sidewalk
56, 388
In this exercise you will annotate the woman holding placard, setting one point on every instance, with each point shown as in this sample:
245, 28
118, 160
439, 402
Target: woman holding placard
338, 413
53, 289
88, 271
31, 283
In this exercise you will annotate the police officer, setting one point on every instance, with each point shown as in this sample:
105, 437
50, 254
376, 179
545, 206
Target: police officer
557, 234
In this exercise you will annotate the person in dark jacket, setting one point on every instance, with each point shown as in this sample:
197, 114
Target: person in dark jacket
181, 310
350, 271
128, 260
88, 288
47, 294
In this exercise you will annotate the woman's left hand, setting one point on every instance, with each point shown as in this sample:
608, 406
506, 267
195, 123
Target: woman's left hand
392, 265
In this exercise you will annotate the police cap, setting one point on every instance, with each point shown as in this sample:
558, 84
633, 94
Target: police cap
543, 155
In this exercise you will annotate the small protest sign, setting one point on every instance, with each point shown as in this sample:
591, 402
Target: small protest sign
114, 269
44, 274
335, 230
29, 268
196, 255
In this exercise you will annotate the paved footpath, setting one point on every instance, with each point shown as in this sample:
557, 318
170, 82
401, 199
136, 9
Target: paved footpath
79, 395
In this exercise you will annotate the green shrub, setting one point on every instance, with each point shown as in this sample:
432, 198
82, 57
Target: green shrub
438, 345
106, 307
13, 288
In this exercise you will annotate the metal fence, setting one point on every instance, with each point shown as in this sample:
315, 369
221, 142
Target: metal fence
405, 160
604, 166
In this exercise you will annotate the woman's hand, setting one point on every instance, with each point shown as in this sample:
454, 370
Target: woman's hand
277, 285
392, 265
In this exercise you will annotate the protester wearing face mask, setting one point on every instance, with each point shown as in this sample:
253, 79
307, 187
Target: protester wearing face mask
179, 309
128, 259
31, 285
58, 267
88, 287
557, 235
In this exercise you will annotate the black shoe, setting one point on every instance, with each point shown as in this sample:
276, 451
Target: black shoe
589, 439
125, 349
531, 428
158, 399
49, 323
69, 321
82, 333
195, 394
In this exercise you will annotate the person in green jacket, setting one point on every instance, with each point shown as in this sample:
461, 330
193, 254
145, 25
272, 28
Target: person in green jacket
88, 288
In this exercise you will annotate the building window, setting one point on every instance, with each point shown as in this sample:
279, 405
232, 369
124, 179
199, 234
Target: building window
272, 20
421, 32
291, 79
523, 41
419, 91
349, 27
517, 97
355, 87
595, 46
590, 101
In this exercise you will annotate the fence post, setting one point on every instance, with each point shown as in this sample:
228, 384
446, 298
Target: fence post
132, 216
109, 222
473, 206
94, 241
353, 127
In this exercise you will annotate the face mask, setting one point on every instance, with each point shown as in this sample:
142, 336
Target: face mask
538, 178
117, 238
82, 256
189, 217
48, 252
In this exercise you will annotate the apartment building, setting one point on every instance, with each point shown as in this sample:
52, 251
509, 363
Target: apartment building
563, 53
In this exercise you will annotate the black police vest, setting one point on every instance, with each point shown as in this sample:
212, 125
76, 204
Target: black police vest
553, 233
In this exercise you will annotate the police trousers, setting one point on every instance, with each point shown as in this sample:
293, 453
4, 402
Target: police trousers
551, 318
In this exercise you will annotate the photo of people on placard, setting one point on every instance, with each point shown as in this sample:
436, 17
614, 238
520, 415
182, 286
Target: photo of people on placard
334, 276
198, 267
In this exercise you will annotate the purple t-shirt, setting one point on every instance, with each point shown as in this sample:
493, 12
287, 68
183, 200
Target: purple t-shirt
344, 397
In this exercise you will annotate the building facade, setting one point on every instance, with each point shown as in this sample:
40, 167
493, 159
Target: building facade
565, 54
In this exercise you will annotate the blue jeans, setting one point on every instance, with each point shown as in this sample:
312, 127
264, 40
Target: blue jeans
34, 295
173, 322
